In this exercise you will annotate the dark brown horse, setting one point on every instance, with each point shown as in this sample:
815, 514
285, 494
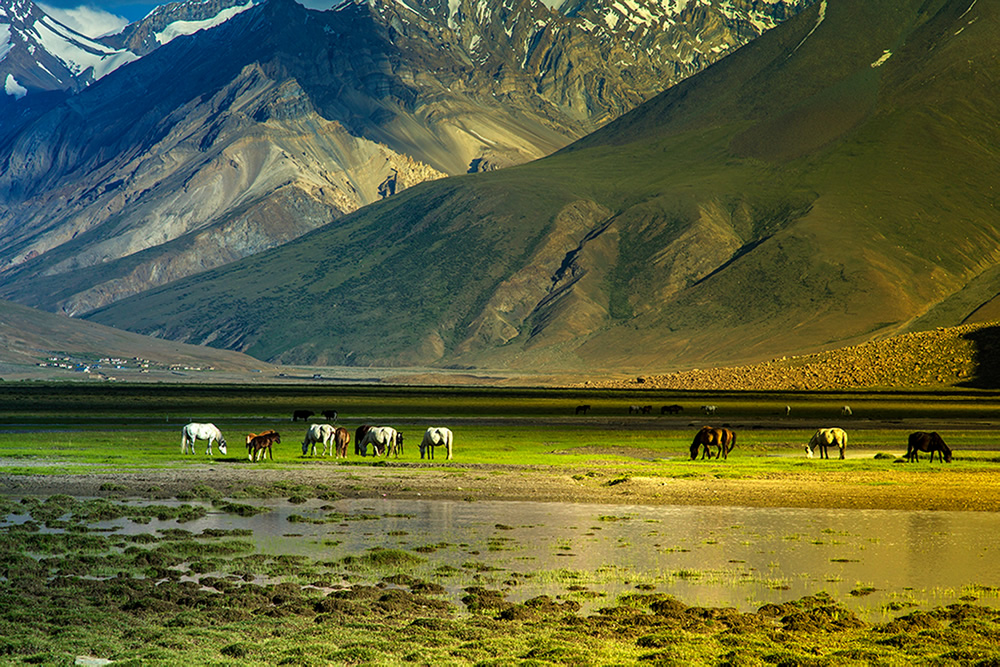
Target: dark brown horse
582, 408
359, 434
722, 439
341, 439
259, 445
671, 409
922, 441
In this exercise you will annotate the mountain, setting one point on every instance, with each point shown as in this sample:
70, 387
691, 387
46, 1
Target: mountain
38, 53
830, 183
35, 344
274, 120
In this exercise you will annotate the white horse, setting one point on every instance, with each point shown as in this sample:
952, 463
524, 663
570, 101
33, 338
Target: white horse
709, 409
195, 431
381, 438
319, 433
846, 411
825, 437
436, 436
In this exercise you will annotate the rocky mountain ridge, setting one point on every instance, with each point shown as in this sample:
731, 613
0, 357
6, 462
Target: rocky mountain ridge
781, 202
224, 142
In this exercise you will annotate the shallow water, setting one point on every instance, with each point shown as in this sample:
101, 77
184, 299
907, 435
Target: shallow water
709, 556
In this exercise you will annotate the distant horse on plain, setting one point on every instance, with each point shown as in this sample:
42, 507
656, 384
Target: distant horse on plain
922, 441
341, 438
707, 437
359, 434
582, 409
330, 415
824, 438
383, 440
304, 415
259, 445
671, 409
436, 436
195, 431
319, 434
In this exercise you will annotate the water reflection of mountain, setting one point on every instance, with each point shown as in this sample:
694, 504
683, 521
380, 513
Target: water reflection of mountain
712, 556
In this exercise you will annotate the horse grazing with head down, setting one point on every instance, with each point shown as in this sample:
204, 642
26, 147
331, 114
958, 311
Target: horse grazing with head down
383, 440
927, 442
341, 439
195, 431
358, 435
722, 439
436, 436
319, 434
824, 438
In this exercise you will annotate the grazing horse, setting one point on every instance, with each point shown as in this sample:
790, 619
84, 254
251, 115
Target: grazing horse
709, 409
259, 445
304, 415
671, 409
195, 431
634, 410
381, 438
825, 437
359, 434
330, 415
722, 439
846, 411
582, 408
927, 442
319, 434
436, 436
341, 438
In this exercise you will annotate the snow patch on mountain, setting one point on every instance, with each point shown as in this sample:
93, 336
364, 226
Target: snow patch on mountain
183, 28
13, 88
77, 52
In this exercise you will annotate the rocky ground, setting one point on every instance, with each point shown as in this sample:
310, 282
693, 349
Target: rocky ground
944, 357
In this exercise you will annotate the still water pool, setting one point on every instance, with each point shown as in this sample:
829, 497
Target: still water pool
877, 562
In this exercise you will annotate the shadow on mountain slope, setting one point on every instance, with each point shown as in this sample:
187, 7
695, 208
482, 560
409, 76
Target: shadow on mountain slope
987, 356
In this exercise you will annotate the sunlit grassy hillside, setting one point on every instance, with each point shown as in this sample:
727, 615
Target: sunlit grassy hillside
829, 184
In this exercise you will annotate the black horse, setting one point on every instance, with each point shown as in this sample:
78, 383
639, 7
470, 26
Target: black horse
922, 441
582, 408
671, 409
304, 415
330, 415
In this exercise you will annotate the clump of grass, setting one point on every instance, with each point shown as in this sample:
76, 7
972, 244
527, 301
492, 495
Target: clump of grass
379, 558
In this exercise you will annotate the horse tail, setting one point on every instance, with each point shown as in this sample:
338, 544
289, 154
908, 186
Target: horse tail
447, 441
732, 441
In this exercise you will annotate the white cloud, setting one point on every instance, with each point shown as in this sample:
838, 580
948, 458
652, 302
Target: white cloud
86, 20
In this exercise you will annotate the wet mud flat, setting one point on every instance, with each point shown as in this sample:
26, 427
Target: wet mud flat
71, 586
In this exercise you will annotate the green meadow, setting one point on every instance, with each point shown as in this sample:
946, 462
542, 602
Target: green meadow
177, 597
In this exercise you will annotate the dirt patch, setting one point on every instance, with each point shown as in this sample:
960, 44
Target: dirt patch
893, 488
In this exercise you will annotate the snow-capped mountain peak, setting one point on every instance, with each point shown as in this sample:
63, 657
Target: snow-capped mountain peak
38, 53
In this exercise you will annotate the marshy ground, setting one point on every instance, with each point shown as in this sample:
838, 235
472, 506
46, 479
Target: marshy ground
70, 588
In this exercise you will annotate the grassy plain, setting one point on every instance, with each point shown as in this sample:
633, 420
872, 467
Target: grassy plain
73, 454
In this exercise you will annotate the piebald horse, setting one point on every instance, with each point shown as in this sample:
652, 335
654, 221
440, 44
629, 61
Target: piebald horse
383, 440
319, 434
436, 436
825, 437
195, 431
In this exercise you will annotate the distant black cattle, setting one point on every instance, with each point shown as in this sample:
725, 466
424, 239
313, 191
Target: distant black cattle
302, 414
